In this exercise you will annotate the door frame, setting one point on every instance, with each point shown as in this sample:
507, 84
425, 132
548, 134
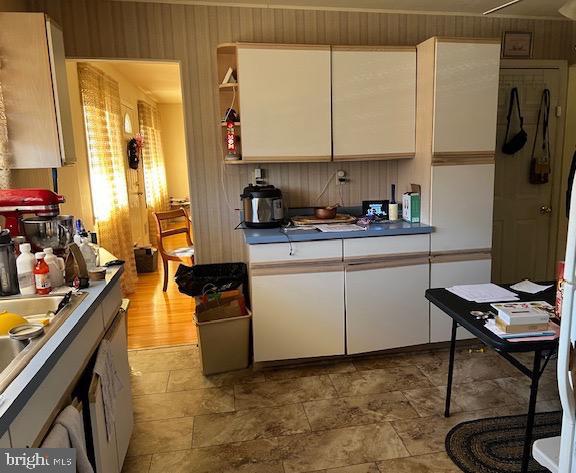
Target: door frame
558, 158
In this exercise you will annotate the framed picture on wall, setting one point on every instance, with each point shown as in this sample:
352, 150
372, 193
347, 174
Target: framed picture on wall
517, 45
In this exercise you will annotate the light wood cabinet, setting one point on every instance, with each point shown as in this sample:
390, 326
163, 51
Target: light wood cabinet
461, 207
373, 102
285, 102
445, 273
385, 305
466, 95
35, 89
298, 312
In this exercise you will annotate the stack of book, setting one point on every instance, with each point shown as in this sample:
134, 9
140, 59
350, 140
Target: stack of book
524, 319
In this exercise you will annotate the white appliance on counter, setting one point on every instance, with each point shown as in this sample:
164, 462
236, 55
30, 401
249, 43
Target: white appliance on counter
558, 454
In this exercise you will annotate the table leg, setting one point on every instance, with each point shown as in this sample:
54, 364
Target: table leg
531, 411
450, 368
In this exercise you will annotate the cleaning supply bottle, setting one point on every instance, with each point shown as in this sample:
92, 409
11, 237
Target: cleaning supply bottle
56, 267
25, 264
41, 275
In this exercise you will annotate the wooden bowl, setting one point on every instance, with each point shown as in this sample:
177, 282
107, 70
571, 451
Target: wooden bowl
325, 213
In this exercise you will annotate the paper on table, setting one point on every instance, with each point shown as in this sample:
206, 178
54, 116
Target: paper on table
340, 227
483, 293
529, 287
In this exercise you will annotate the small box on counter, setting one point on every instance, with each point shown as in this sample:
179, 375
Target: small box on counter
411, 205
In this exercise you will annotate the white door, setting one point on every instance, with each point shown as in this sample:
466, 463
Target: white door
136, 190
285, 102
449, 274
523, 213
385, 307
461, 207
298, 315
373, 102
466, 96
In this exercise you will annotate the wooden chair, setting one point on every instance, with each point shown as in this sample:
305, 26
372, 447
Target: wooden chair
178, 253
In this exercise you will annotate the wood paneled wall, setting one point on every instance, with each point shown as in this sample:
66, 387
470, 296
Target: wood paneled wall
99, 28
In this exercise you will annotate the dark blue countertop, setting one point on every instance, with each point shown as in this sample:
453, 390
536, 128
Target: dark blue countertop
254, 236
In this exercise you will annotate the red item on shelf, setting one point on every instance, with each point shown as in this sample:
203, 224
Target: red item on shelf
41, 278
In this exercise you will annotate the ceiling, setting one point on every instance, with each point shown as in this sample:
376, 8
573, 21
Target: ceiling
159, 80
526, 8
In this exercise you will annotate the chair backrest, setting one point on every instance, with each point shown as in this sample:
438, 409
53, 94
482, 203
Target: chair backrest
174, 230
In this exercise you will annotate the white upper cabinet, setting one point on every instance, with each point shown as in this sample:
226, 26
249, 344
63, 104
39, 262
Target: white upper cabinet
373, 102
285, 102
466, 96
35, 89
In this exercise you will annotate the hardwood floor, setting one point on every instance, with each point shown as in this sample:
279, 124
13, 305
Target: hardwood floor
158, 319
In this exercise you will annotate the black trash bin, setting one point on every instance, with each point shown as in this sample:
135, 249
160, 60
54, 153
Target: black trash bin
211, 278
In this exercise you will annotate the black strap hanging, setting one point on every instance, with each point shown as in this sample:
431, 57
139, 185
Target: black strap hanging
517, 142
540, 166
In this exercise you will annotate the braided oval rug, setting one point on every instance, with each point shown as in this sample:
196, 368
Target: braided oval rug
495, 445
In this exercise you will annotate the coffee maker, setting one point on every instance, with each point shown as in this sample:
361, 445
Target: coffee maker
35, 214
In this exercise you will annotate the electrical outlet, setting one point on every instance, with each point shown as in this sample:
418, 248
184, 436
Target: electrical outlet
259, 176
341, 175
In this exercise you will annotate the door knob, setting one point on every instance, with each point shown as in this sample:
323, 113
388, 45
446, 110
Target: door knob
545, 210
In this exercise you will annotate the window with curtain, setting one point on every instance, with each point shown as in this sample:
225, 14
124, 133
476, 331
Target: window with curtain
153, 163
103, 123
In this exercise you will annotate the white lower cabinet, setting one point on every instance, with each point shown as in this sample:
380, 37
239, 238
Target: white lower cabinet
386, 307
298, 314
31, 420
448, 274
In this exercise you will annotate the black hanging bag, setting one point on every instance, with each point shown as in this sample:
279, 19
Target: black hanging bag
540, 165
517, 142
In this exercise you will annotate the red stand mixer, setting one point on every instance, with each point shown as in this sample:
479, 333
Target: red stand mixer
47, 228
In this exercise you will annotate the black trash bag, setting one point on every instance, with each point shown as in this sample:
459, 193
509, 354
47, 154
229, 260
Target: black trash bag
210, 278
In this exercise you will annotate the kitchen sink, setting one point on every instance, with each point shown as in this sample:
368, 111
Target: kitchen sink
15, 355
33, 307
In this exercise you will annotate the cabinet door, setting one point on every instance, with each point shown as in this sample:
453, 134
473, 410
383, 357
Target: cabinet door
28, 426
461, 207
285, 102
26, 79
466, 99
450, 274
298, 315
373, 103
61, 92
386, 307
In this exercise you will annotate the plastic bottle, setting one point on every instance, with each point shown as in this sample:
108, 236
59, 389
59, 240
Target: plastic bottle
25, 264
56, 267
41, 275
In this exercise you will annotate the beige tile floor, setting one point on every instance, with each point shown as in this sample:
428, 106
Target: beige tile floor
369, 415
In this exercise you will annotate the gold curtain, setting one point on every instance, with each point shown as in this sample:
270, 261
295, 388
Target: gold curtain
103, 124
153, 164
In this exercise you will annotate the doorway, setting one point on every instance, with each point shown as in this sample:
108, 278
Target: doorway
150, 94
525, 234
